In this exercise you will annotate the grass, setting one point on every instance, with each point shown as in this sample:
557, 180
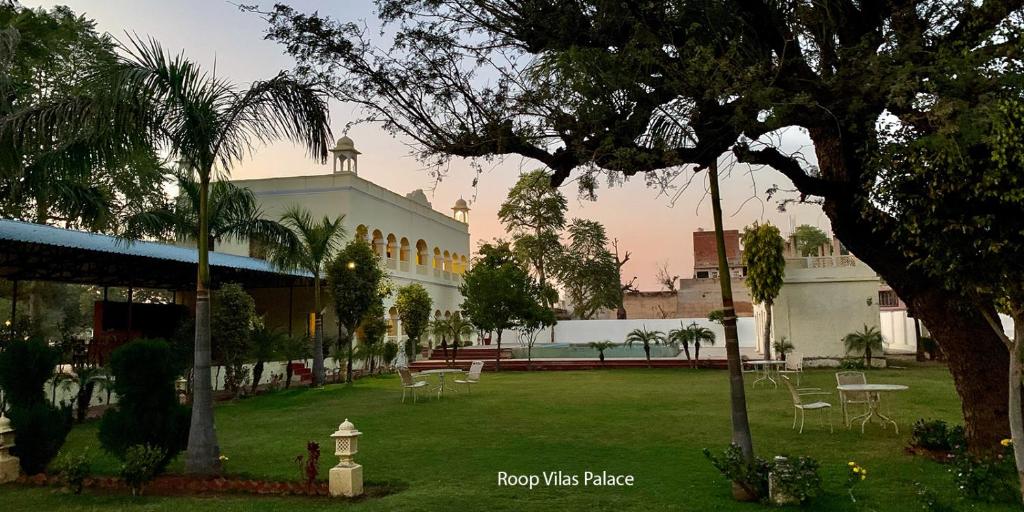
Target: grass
445, 455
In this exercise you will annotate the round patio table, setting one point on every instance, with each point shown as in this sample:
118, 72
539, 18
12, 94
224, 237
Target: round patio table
767, 366
440, 372
874, 401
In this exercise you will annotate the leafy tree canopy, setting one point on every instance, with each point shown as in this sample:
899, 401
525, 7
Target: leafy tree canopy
357, 282
763, 256
588, 271
808, 239
414, 305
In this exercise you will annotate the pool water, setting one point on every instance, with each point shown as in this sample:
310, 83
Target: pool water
582, 351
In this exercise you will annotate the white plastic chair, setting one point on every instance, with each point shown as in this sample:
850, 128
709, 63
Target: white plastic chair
794, 366
408, 383
473, 377
851, 397
800, 406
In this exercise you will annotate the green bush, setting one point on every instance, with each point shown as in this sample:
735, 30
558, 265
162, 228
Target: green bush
936, 435
852, 364
73, 470
752, 477
142, 462
147, 411
232, 320
797, 478
25, 366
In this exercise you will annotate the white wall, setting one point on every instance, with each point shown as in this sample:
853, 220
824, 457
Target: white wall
898, 331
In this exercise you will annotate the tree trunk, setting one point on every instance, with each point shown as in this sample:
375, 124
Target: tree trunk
977, 357
257, 375
348, 365
768, 330
1014, 402
497, 360
740, 424
288, 375
84, 398
696, 354
647, 353
318, 335
686, 350
202, 457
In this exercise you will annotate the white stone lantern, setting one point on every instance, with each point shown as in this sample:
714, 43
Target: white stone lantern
346, 479
181, 388
10, 466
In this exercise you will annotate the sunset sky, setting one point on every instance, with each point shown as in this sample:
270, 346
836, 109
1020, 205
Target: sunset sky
646, 223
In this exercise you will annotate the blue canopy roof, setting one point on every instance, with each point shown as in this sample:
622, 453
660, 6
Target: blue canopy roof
28, 250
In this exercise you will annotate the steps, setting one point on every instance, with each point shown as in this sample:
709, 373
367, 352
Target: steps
301, 373
468, 354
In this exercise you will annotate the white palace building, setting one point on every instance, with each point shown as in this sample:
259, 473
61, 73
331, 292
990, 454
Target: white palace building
416, 243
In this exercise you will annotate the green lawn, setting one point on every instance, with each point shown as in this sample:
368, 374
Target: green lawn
446, 455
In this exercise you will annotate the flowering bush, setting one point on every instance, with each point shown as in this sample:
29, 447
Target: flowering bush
855, 475
797, 479
986, 478
141, 464
309, 465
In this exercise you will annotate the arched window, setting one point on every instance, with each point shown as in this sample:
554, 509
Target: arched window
464, 264
403, 250
378, 243
455, 263
391, 250
361, 232
447, 265
437, 259
421, 252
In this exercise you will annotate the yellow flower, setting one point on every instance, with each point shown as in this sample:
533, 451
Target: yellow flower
862, 477
856, 470
1006, 442
851, 463
223, 457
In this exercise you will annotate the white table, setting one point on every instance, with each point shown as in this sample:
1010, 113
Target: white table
767, 366
874, 400
440, 372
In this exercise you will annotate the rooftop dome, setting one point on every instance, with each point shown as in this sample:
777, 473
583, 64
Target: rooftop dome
461, 205
345, 143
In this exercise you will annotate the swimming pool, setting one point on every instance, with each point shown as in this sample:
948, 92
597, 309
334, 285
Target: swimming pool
582, 351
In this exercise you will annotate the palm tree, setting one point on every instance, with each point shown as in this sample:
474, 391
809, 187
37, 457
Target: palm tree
266, 344
208, 125
438, 329
458, 328
681, 337
698, 334
232, 213
646, 337
310, 245
601, 346
865, 341
783, 347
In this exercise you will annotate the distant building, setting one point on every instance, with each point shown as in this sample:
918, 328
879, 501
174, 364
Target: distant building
698, 296
823, 298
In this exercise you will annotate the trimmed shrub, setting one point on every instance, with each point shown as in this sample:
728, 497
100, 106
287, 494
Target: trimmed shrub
142, 463
73, 470
25, 366
147, 412
231, 326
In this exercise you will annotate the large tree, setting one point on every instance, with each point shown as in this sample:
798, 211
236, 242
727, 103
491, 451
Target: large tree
601, 86
588, 271
309, 245
534, 214
357, 284
413, 303
763, 256
48, 56
208, 125
497, 290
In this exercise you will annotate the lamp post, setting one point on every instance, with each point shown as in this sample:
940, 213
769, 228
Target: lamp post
346, 479
10, 466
